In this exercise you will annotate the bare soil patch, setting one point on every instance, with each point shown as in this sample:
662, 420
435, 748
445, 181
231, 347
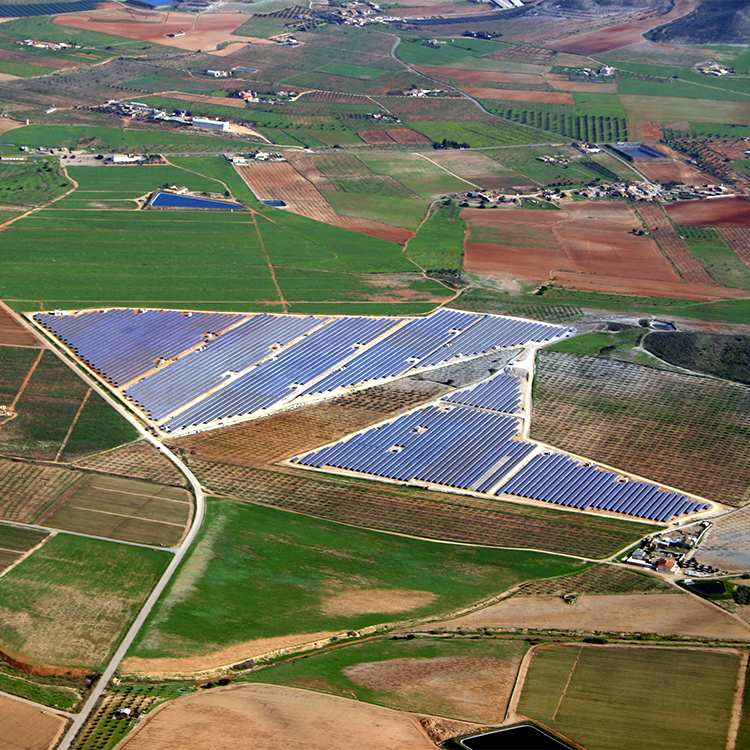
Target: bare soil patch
561, 82
270, 717
584, 238
407, 135
674, 171
545, 97
375, 601
203, 32
23, 727
235, 654
464, 687
11, 332
715, 212
375, 136
604, 40
667, 614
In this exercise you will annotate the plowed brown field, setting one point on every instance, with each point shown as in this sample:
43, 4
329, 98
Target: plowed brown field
670, 242
375, 136
604, 40
584, 238
24, 727
715, 212
463, 77
305, 166
270, 717
674, 171
739, 240
560, 82
12, 333
202, 32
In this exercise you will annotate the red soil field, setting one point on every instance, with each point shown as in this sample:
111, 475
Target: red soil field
375, 136
739, 241
651, 130
203, 32
407, 135
305, 166
560, 81
674, 171
584, 238
12, 334
713, 212
604, 40
545, 97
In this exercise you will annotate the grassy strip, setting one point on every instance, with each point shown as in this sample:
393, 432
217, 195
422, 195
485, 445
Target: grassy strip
47, 695
438, 245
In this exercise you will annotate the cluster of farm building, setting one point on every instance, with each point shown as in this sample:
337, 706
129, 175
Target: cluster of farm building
185, 372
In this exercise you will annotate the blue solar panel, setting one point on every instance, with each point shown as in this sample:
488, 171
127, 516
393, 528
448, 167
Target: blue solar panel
500, 393
454, 446
276, 380
493, 332
122, 345
182, 381
559, 479
400, 351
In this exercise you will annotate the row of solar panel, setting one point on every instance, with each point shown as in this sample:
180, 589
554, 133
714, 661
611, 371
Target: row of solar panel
473, 449
455, 447
122, 345
248, 368
559, 479
500, 393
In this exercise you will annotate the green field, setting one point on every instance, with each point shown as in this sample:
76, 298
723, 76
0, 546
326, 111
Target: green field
348, 70
418, 174
70, 601
479, 133
258, 572
38, 691
607, 698
23, 70
32, 183
446, 52
19, 539
46, 411
410, 675
117, 139
438, 246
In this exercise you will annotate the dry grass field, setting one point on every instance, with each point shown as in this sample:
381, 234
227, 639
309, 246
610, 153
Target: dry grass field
68, 603
270, 717
599, 695
139, 461
664, 426
666, 614
28, 490
23, 727
124, 509
674, 171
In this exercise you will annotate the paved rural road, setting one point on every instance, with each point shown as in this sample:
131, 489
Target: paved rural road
200, 511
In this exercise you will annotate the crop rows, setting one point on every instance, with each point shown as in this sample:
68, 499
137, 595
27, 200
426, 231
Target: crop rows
139, 461
739, 240
673, 247
585, 128
600, 579
424, 514
26, 489
105, 729
683, 430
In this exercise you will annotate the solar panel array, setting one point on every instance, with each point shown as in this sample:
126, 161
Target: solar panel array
559, 479
464, 441
456, 447
500, 393
189, 370
122, 345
